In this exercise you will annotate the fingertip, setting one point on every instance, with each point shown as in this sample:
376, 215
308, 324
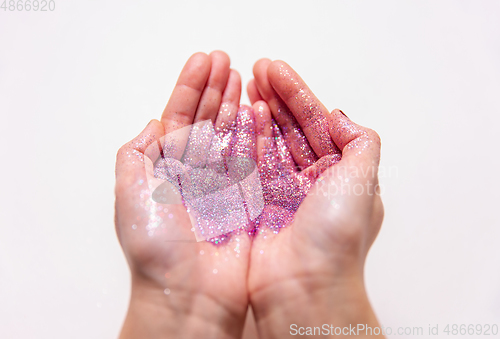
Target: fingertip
220, 54
355, 141
234, 75
261, 109
200, 61
221, 57
284, 79
155, 126
261, 64
277, 67
260, 105
196, 71
264, 88
199, 56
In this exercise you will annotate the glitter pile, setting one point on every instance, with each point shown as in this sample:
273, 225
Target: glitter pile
283, 186
216, 176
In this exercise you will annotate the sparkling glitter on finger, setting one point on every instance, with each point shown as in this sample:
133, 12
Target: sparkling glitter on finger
284, 186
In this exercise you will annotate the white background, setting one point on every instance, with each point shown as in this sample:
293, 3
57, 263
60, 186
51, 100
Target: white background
78, 82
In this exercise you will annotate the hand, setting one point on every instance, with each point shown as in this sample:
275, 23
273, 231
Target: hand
181, 288
320, 170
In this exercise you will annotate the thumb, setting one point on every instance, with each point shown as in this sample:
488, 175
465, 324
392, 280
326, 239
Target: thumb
130, 157
360, 146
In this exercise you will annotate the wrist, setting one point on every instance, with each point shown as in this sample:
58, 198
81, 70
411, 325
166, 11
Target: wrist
306, 304
154, 314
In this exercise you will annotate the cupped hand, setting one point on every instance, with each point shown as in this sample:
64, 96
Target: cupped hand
323, 210
180, 287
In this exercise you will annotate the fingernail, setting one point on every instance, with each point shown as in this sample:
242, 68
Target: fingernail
343, 113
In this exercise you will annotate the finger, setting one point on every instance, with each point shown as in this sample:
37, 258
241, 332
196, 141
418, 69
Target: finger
360, 145
197, 148
223, 89
285, 162
183, 102
356, 174
265, 144
229, 103
243, 152
244, 145
242, 167
323, 163
306, 108
273, 156
130, 157
301, 151
253, 92
212, 94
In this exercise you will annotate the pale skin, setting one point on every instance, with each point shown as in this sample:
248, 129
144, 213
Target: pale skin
201, 304
310, 273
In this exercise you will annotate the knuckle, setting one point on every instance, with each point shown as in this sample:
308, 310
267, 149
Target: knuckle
374, 136
120, 152
123, 151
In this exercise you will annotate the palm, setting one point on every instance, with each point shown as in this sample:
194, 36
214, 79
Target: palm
157, 238
291, 245
160, 244
308, 226
280, 244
